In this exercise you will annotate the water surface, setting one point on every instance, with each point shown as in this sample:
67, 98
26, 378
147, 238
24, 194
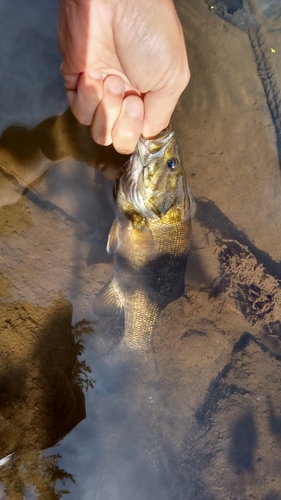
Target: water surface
201, 419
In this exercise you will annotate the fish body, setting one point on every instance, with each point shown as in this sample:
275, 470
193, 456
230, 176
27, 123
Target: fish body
149, 239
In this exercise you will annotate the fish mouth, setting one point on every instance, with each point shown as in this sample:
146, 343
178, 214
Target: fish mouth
146, 151
149, 148
166, 131
133, 182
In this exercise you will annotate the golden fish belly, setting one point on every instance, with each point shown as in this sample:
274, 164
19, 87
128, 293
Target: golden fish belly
149, 268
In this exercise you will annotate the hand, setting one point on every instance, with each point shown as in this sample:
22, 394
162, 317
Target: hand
124, 63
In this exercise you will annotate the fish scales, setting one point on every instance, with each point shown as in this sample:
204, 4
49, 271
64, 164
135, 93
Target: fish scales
150, 238
146, 285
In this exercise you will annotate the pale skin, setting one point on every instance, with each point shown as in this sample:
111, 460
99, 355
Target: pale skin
124, 64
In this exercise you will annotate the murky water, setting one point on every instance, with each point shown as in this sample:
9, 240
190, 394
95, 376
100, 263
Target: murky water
202, 419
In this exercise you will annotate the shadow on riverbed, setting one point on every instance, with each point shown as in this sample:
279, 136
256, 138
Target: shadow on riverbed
41, 376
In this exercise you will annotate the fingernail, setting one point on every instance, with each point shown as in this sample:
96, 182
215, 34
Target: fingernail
95, 74
115, 85
134, 107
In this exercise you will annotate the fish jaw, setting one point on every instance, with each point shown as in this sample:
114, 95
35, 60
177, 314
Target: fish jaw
146, 147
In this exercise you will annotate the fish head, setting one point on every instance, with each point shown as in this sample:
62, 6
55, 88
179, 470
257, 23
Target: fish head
153, 181
161, 179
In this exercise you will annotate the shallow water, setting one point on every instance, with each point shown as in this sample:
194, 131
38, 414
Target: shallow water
202, 419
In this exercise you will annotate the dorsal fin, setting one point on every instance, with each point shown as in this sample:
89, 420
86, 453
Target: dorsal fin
107, 302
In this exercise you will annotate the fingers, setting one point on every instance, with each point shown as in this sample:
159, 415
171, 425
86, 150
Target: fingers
84, 94
159, 106
158, 112
128, 126
118, 119
114, 118
108, 110
102, 105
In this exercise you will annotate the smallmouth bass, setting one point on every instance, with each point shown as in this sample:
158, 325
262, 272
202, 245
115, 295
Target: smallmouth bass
149, 238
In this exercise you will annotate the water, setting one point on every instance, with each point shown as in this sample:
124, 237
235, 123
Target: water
202, 419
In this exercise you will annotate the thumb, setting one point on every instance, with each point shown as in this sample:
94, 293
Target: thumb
159, 104
158, 109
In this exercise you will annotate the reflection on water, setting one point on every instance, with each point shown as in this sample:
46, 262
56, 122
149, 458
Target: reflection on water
81, 370
32, 474
202, 418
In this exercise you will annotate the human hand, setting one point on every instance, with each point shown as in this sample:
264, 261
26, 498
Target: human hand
124, 63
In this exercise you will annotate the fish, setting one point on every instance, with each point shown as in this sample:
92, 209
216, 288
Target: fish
149, 239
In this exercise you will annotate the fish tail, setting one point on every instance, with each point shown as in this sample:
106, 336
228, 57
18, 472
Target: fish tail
139, 328
138, 342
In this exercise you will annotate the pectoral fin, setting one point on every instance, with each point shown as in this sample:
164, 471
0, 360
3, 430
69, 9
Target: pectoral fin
113, 238
144, 242
149, 244
107, 302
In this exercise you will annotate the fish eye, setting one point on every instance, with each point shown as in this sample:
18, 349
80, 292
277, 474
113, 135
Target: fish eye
172, 163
